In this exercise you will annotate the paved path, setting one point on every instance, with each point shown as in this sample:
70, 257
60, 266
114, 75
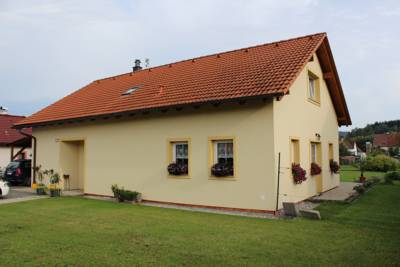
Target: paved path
340, 193
19, 194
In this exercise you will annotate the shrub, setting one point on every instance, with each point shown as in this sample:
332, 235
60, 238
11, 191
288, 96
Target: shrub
334, 166
381, 163
393, 175
122, 195
359, 189
222, 169
299, 174
315, 169
375, 180
177, 169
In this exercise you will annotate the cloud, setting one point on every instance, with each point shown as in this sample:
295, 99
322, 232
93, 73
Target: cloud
50, 48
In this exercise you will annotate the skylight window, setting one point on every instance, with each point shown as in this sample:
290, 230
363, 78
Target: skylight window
131, 90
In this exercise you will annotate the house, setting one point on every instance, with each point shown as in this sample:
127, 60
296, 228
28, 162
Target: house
233, 122
13, 144
386, 141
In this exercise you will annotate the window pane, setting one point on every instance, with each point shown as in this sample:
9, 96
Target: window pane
221, 150
312, 89
181, 151
229, 152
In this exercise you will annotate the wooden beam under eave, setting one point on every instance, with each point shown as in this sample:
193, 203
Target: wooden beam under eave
328, 75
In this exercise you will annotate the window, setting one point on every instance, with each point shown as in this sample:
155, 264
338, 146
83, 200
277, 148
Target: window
314, 152
222, 157
330, 151
223, 152
131, 90
178, 159
313, 87
295, 151
180, 153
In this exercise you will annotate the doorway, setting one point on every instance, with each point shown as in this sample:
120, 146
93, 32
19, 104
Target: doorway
72, 164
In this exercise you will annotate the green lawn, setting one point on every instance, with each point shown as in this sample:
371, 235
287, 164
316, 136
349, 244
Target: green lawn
81, 232
350, 173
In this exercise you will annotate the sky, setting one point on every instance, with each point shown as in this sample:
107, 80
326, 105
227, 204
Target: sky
49, 49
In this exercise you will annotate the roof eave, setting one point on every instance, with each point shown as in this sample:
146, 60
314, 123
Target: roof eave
155, 109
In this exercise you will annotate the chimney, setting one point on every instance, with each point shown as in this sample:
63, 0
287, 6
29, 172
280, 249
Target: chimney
3, 110
137, 65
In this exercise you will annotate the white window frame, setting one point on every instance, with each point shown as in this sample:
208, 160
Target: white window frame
174, 144
215, 147
314, 151
311, 85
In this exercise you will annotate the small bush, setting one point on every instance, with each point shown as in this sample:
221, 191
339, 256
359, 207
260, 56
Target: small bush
359, 189
381, 163
393, 175
375, 180
124, 195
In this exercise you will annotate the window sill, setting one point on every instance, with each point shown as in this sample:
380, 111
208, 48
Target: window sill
178, 176
315, 102
226, 178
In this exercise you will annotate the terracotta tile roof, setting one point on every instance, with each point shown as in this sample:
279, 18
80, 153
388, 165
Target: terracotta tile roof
9, 135
262, 70
387, 140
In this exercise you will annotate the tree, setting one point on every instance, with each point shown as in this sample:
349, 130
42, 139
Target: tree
343, 151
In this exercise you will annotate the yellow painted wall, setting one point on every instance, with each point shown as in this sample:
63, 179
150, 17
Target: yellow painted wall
295, 116
132, 153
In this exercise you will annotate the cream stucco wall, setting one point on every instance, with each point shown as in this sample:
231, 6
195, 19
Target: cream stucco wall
295, 116
133, 153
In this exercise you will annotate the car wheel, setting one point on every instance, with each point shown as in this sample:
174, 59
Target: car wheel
1, 193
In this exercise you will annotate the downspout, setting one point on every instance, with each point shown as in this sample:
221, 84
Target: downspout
277, 188
34, 154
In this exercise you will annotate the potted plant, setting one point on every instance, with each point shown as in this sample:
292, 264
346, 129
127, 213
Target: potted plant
55, 191
315, 169
334, 166
177, 169
222, 170
363, 166
299, 174
40, 187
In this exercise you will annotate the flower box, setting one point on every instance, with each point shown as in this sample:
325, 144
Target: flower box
315, 169
299, 174
177, 169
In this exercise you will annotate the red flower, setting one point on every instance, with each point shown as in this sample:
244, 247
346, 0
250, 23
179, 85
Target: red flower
299, 174
315, 169
334, 166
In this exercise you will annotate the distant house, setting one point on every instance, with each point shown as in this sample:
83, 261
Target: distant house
386, 141
216, 131
13, 145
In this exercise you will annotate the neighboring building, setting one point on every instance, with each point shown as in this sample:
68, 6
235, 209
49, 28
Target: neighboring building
11, 141
255, 111
386, 141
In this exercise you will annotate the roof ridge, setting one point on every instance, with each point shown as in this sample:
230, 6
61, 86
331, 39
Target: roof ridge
9, 115
210, 55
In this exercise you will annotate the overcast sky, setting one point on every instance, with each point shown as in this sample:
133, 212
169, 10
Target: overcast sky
50, 48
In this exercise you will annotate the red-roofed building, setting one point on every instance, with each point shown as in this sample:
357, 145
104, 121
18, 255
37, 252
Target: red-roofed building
215, 131
386, 140
12, 141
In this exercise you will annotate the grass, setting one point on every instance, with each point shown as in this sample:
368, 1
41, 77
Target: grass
349, 173
81, 232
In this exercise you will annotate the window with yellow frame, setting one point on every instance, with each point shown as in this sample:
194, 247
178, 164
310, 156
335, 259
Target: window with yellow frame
222, 157
179, 157
313, 87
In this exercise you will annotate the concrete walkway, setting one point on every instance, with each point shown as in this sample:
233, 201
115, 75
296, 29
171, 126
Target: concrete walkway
341, 193
19, 194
